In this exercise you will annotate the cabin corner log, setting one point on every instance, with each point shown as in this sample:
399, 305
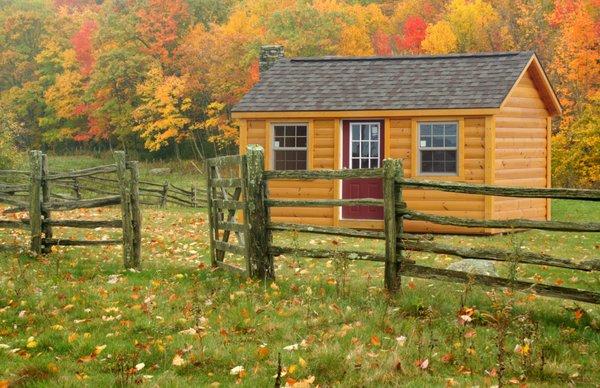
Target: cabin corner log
419, 271
258, 237
503, 224
35, 202
503, 191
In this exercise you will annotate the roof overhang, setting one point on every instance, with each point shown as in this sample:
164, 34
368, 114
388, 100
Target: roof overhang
366, 113
544, 87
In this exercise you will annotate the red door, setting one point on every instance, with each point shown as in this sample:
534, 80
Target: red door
363, 148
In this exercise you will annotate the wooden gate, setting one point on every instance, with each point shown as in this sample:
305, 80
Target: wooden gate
226, 192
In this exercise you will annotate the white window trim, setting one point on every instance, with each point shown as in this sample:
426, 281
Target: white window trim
350, 142
277, 148
455, 148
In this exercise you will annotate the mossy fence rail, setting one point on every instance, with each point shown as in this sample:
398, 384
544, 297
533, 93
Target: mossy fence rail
248, 194
37, 192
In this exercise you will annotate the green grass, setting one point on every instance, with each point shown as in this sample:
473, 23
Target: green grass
75, 299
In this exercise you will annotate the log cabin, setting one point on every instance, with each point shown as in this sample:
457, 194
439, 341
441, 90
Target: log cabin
478, 118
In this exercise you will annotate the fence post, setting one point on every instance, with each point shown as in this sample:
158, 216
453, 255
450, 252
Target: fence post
136, 216
163, 200
125, 209
76, 187
46, 227
35, 201
392, 263
194, 196
258, 236
211, 220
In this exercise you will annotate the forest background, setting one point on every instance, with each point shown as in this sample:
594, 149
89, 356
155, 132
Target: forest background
158, 77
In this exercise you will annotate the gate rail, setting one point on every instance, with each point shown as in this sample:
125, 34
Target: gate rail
259, 249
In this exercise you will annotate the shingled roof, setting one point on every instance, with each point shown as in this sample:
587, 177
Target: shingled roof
375, 83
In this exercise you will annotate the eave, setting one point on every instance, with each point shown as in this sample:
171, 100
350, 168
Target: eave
366, 113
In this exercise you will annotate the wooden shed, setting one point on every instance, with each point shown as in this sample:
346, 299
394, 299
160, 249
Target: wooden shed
479, 118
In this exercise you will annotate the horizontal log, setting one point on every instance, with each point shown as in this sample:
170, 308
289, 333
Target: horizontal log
236, 249
224, 160
12, 201
72, 243
14, 172
85, 224
179, 202
496, 254
323, 202
85, 172
227, 182
232, 226
344, 232
14, 224
231, 268
326, 253
82, 204
228, 204
184, 191
324, 174
147, 183
510, 224
179, 198
419, 271
98, 178
13, 188
503, 191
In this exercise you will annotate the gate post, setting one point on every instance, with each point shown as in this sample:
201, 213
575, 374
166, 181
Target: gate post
35, 201
136, 216
46, 227
258, 236
391, 169
125, 192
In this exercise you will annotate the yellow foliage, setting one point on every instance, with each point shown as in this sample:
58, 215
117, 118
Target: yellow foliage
355, 40
440, 39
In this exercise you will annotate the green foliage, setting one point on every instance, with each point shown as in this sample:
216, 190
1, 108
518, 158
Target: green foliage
9, 154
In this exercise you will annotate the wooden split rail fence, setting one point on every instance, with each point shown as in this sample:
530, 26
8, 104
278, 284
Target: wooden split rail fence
38, 199
251, 199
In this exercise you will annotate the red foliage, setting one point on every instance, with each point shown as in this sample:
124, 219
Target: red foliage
382, 43
82, 44
562, 10
159, 26
414, 32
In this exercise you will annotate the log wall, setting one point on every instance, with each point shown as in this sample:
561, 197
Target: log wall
521, 151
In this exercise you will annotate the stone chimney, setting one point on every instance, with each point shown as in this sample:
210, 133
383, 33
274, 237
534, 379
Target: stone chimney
268, 56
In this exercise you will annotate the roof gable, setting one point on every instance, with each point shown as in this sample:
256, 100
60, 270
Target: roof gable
387, 83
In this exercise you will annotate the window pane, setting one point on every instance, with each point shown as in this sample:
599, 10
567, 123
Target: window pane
279, 130
438, 141
450, 156
301, 142
439, 167
301, 130
438, 156
426, 167
355, 163
290, 142
450, 129
450, 166
290, 130
427, 156
280, 165
425, 142
364, 163
374, 162
438, 130
450, 141
374, 149
425, 129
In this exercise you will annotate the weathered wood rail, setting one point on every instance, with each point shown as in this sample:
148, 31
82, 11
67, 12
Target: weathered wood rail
259, 250
39, 200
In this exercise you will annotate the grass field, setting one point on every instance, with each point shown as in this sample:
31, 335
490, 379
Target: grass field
74, 317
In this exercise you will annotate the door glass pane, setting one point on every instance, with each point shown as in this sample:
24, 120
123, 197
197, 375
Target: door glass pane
364, 131
355, 163
355, 131
355, 149
374, 162
364, 163
364, 149
374, 149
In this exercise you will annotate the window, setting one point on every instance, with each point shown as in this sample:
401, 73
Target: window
438, 148
365, 145
289, 146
